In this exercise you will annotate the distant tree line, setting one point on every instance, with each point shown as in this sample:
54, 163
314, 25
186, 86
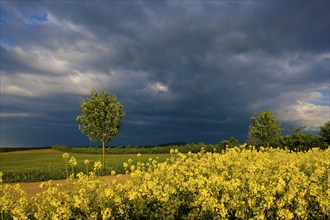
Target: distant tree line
185, 148
12, 149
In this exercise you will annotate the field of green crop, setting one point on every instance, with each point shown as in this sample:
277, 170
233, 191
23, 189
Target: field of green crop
41, 165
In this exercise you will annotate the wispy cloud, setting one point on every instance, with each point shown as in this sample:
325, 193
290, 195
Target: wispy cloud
14, 115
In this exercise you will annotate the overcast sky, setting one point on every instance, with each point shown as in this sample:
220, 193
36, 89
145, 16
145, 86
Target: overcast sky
188, 71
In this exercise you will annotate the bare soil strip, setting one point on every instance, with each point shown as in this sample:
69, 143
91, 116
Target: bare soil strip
33, 188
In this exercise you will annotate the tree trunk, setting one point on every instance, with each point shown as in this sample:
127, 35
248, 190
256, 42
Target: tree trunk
103, 149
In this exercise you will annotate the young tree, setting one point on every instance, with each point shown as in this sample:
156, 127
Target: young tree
100, 118
264, 128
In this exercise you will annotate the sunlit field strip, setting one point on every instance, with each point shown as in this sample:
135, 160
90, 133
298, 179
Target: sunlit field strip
54, 158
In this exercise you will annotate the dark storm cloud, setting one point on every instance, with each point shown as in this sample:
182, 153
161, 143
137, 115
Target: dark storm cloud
184, 71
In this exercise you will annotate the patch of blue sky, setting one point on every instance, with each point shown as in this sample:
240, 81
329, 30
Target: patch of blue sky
324, 100
35, 19
4, 16
43, 17
2, 21
7, 41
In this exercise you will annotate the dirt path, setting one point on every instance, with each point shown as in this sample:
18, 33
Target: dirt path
33, 188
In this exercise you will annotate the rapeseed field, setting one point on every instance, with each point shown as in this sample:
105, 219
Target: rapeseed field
239, 183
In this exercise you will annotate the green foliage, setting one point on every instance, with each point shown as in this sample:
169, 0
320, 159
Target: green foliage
100, 116
33, 174
301, 141
194, 148
264, 128
325, 132
231, 142
11, 149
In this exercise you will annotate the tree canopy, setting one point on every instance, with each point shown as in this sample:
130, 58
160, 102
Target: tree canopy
231, 142
264, 128
100, 117
325, 132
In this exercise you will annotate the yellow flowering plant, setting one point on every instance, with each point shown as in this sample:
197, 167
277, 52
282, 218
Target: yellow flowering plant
241, 183
97, 167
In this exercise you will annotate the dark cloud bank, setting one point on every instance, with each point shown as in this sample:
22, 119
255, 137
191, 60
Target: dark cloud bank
188, 71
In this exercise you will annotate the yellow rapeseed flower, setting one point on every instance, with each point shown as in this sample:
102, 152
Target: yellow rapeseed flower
65, 155
73, 161
97, 165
